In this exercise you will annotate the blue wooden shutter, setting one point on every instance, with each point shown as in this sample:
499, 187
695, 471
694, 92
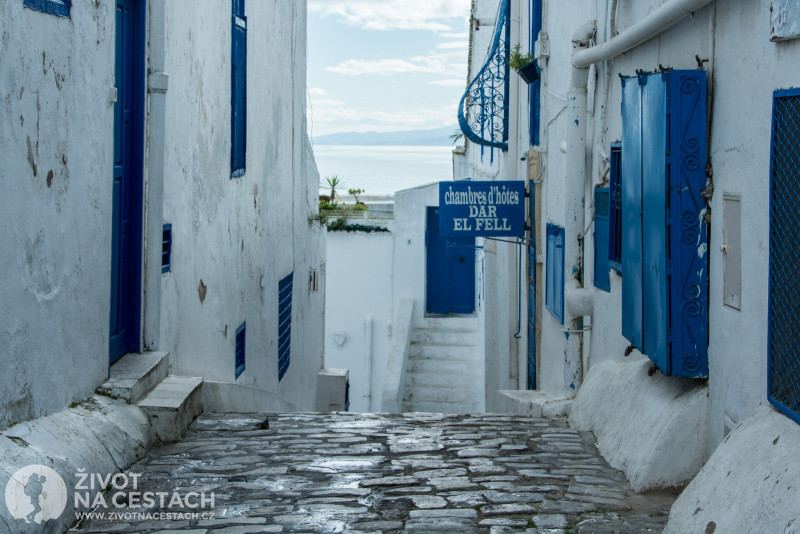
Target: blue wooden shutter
615, 209
238, 89
284, 324
688, 233
535, 88
601, 205
554, 290
632, 212
239, 349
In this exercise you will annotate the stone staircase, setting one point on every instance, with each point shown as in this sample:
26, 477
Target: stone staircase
170, 402
445, 370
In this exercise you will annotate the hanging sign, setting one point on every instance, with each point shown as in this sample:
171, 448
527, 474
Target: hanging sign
482, 209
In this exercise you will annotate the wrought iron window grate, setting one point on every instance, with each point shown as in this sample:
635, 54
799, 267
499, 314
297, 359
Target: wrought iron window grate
784, 276
615, 209
284, 324
483, 110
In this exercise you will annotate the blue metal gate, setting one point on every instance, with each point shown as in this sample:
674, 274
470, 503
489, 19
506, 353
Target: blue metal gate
784, 258
126, 227
450, 270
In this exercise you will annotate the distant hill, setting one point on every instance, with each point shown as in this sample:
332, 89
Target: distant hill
438, 136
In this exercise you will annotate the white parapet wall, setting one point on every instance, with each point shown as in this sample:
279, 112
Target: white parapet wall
750, 483
398, 357
651, 427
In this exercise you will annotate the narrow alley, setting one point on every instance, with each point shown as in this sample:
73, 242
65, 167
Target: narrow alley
415, 472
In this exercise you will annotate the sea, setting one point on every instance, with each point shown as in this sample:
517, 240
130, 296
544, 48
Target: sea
382, 170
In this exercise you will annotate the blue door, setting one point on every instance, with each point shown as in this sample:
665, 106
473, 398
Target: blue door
126, 241
450, 270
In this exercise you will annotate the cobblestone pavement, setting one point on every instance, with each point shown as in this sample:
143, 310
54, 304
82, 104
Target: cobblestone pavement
391, 473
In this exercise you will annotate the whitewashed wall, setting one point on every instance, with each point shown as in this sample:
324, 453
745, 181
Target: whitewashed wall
238, 236
56, 130
359, 272
744, 69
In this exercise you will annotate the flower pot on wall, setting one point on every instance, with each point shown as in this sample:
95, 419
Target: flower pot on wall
529, 72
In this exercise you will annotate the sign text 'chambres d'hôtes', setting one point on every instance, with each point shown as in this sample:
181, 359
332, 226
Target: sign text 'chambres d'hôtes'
485, 209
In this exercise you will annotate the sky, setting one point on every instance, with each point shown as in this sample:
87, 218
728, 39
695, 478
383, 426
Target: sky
385, 65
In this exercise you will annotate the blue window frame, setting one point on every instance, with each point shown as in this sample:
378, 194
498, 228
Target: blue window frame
284, 324
166, 248
60, 8
239, 350
535, 88
554, 288
238, 89
601, 207
615, 209
784, 255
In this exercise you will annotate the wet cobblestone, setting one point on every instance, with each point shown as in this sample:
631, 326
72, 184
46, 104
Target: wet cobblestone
391, 473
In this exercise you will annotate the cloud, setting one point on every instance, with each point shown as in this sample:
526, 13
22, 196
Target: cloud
332, 116
453, 82
394, 14
443, 63
317, 91
454, 35
454, 45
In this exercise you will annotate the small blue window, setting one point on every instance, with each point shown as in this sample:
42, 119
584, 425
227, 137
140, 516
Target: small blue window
240, 348
615, 209
238, 89
59, 8
554, 288
284, 324
601, 205
166, 248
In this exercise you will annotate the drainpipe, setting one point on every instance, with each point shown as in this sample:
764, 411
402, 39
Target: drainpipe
368, 364
578, 303
157, 83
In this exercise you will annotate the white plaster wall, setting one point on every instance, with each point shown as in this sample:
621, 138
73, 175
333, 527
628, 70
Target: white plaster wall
240, 237
359, 272
744, 69
56, 134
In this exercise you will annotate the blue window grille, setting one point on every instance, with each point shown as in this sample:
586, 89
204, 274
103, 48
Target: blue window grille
60, 8
483, 110
166, 248
554, 289
284, 324
535, 88
238, 89
615, 209
784, 254
239, 350
601, 210
664, 228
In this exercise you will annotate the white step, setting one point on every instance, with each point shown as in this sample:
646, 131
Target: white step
471, 380
173, 405
135, 375
455, 367
453, 324
459, 394
443, 352
444, 337
444, 407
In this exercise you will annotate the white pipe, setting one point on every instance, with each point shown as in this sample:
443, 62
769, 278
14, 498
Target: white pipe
576, 183
368, 364
157, 83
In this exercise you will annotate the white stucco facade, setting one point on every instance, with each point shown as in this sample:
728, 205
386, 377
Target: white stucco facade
232, 239
732, 41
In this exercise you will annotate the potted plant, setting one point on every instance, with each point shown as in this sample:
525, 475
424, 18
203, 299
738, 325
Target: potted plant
524, 64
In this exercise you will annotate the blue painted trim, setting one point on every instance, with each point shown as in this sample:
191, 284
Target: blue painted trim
59, 8
240, 350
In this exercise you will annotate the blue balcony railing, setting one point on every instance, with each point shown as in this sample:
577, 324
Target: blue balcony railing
483, 111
